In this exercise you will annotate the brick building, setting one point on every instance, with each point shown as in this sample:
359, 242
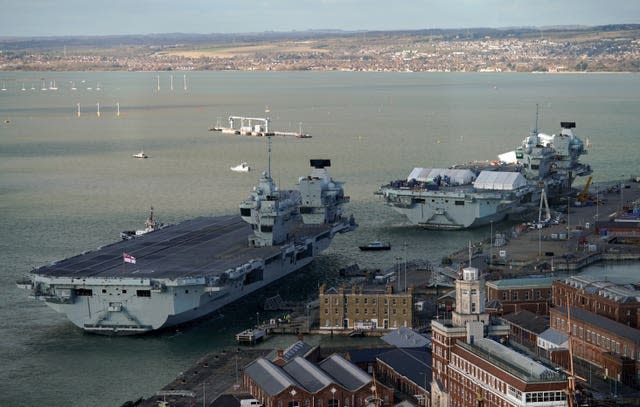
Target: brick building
486, 373
531, 294
525, 327
365, 308
334, 382
470, 367
618, 303
409, 370
610, 345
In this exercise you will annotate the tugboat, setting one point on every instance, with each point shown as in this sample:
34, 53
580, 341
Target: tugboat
375, 246
149, 226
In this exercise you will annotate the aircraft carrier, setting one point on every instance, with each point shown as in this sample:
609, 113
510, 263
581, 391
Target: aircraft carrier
478, 193
183, 272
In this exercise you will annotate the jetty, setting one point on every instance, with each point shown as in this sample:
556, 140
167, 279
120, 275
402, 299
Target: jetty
248, 127
251, 336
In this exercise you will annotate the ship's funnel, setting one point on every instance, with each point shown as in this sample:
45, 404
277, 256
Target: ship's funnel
320, 163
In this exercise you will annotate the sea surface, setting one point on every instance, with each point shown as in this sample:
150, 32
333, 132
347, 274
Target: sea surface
68, 184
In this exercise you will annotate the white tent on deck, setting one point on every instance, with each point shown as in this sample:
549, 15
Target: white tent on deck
499, 180
456, 177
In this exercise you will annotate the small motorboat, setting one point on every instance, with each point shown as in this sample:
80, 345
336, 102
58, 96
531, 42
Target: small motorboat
242, 167
376, 245
149, 226
141, 154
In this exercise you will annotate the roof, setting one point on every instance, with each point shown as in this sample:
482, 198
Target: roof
528, 282
554, 336
225, 400
269, 377
606, 289
406, 403
601, 322
406, 338
412, 363
509, 360
299, 348
307, 374
345, 373
364, 355
499, 180
528, 321
301, 373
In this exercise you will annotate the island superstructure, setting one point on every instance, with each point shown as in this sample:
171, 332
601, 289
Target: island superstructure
186, 271
477, 193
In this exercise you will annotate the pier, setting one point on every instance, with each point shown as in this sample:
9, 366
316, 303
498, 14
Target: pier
251, 336
249, 128
566, 247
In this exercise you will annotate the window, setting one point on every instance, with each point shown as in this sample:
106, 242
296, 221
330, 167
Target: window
143, 293
84, 292
515, 296
333, 403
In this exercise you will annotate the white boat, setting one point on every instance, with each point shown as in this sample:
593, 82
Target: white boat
242, 167
141, 154
149, 226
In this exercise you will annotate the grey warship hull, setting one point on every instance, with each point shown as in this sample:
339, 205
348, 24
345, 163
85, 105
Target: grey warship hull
181, 273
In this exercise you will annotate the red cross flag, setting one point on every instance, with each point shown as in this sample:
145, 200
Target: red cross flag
128, 258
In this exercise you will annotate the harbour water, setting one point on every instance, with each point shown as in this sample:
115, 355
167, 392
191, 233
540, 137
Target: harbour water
68, 184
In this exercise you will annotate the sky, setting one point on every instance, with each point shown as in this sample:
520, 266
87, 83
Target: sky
25, 18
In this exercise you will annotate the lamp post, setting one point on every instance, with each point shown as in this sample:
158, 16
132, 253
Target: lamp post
257, 319
404, 251
490, 247
398, 259
293, 393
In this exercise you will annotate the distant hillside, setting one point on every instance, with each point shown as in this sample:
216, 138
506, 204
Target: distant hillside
173, 39
520, 49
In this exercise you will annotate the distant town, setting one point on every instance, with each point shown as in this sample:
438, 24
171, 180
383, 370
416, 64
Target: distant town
613, 48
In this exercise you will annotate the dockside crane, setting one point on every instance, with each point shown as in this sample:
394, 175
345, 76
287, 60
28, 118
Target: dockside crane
584, 196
